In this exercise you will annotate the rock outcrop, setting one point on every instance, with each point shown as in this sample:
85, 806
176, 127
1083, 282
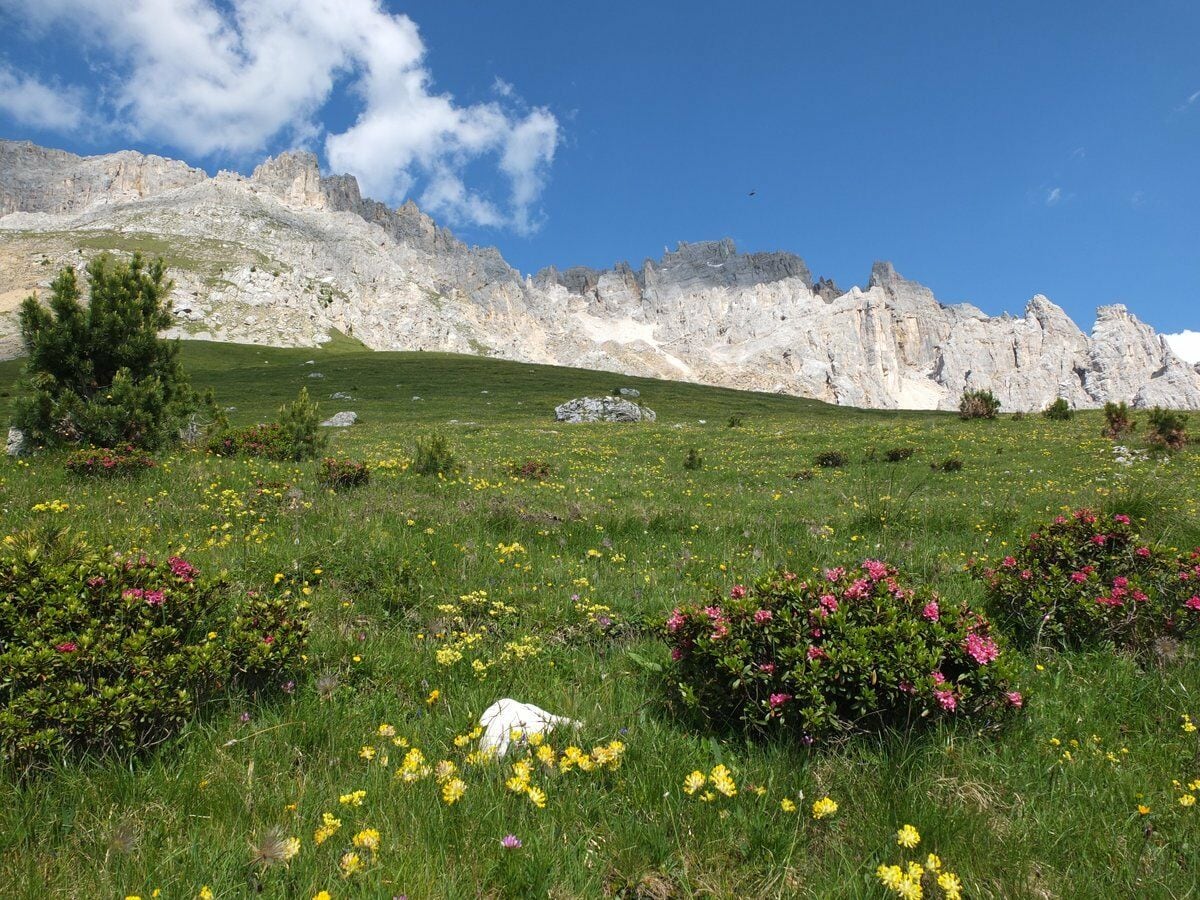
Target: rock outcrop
602, 409
288, 255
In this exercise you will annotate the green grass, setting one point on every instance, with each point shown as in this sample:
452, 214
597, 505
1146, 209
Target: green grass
620, 522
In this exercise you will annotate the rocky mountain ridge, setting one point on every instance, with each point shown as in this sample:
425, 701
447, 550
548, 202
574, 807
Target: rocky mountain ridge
285, 255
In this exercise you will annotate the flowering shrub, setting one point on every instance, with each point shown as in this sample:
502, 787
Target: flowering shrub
255, 440
833, 654
109, 463
343, 473
113, 654
1088, 578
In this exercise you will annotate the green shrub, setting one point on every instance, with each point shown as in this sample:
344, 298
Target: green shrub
823, 656
1058, 411
980, 404
113, 654
694, 460
949, 464
301, 428
295, 436
1086, 579
103, 462
340, 474
735, 421
898, 454
1168, 429
1118, 421
99, 374
434, 456
803, 475
830, 459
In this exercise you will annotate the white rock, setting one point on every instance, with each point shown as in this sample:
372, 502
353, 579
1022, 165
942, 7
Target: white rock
16, 445
602, 409
504, 716
340, 420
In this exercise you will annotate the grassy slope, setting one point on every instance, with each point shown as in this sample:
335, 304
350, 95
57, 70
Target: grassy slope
1006, 811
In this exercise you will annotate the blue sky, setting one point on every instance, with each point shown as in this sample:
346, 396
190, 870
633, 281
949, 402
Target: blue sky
989, 153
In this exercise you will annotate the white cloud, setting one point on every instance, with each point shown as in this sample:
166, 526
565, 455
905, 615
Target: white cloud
1053, 196
1186, 345
233, 77
31, 102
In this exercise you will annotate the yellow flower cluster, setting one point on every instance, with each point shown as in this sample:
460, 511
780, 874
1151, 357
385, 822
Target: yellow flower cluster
327, 829
720, 779
912, 879
823, 808
367, 839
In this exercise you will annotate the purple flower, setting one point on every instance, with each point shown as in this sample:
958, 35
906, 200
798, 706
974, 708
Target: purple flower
510, 842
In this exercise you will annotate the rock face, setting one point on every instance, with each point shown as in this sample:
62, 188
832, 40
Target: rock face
340, 420
287, 256
17, 444
602, 409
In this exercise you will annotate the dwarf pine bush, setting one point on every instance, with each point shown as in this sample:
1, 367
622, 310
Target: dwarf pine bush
341, 474
434, 456
981, 404
99, 374
1118, 420
1058, 411
107, 653
1168, 429
821, 656
295, 436
1087, 579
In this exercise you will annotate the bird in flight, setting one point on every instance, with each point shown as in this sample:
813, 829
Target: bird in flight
752, 193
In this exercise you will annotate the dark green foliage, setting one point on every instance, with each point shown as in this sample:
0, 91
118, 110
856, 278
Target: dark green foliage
830, 459
802, 475
1058, 411
434, 456
694, 460
1168, 429
1089, 579
531, 470
340, 474
735, 421
899, 454
295, 436
980, 404
832, 654
114, 654
949, 464
1118, 421
99, 374
104, 462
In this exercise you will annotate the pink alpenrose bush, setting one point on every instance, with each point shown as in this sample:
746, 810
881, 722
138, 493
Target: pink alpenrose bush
828, 655
1089, 578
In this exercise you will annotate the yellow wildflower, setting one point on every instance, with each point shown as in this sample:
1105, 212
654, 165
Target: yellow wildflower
787, 805
453, 790
328, 828
367, 839
350, 863
537, 797
908, 837
722, 781
950, 885
824, 808
354, 798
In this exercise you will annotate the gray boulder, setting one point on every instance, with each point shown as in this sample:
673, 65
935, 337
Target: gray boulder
602, 409
340, 420
17, 444
629, 393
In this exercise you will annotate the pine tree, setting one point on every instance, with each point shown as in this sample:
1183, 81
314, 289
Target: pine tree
99, 373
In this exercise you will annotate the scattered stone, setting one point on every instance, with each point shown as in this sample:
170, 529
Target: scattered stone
340, 420
602, 409
504, 716
630, 393
415, 399
315, 375
340, 395
17, 444
309, 362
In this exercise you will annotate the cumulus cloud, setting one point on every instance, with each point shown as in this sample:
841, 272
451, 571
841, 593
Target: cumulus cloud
233, 77
1186, 345
33, 103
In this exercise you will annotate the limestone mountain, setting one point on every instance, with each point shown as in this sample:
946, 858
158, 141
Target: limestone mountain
286, 255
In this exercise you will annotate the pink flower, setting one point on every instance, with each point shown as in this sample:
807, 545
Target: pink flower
1015, 699
1079, 577
154, 598
816, 653
938, 677
763, 616
768, 668
96, 581
834, 574
875, 569
269, 639
713, 612
1026, 575
829, 603
1142, 552
859, 589
946, 699
676, 654
981, 649
737, 592
779, 699
66, 647
1099, 539
1009, 562
132, 594
1120, 517
1120, 582
675, 620
182, 569
1193, 603
1109, 601
931, 611
720, 630
510, 842
1140, 597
